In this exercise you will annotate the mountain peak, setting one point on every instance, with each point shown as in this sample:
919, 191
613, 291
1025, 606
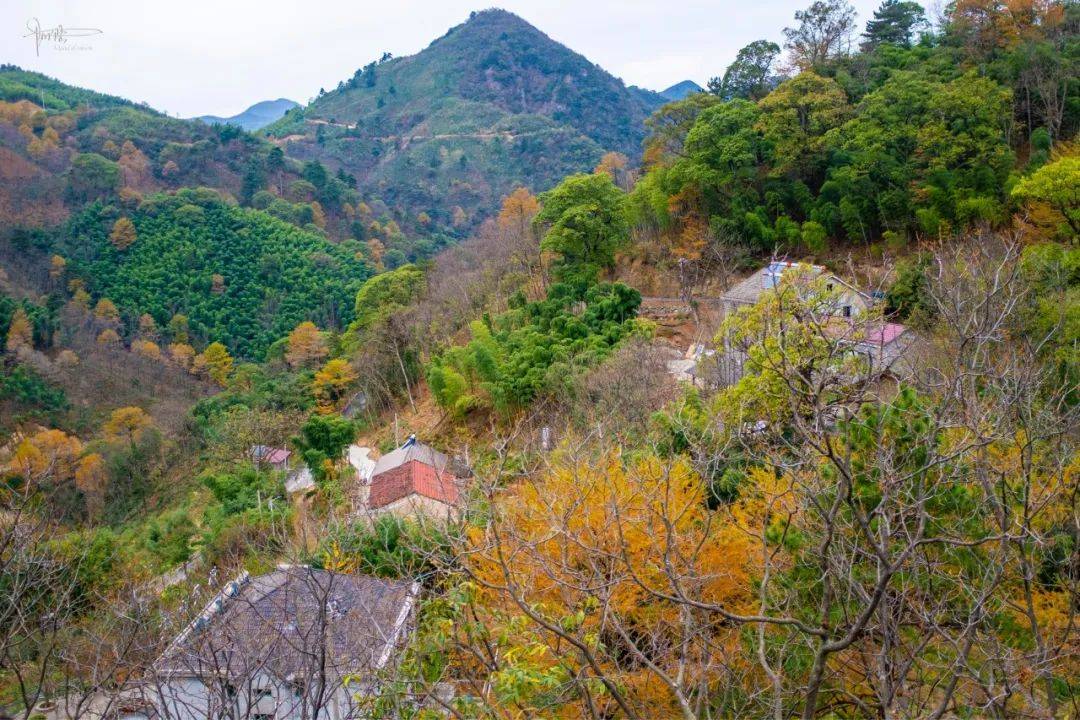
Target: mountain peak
681, 89
255, 117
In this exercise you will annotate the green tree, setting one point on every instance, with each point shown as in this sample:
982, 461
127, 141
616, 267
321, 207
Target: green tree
795, 118
751, 76
324, 438
1053, 191
386, 293
894, 22
586, 220
92, 176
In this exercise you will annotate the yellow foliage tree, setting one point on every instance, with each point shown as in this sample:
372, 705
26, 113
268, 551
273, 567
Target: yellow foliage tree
147, 326
331, 383
318, 215
123, 234
214, 362
90, 480
67, 358
108, 336
573, 572
615, 164
106, 312
147, 349
57, 267
80, 299
182, 354
305, 345
20, 331
46, 456
518, 210
127, 424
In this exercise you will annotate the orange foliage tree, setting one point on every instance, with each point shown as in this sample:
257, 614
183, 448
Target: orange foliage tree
305, 345
574, 582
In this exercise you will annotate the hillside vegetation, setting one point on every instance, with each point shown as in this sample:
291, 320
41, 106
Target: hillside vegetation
799, 527
492, 104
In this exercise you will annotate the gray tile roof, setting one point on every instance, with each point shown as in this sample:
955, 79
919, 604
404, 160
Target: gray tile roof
413, 449
749, 290
280, 623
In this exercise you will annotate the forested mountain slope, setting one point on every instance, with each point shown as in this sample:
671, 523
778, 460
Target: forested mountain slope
492, 104
800, 525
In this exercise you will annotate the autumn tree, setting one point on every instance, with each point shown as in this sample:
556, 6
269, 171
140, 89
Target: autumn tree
20, 332
123, 234
90, 479
57, 267
516, 228
332, 382
616, 166
566, 569
107, 313
127, 425
147, 349
215, 362
47, 456
67, 358
305, 345
148, 326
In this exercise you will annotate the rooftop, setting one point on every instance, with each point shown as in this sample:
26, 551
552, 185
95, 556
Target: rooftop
412, 478
276, 623
750, 289
413, 449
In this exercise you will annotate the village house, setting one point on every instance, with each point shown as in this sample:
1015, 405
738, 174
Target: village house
883, 345
414, 480
296, 643
270, 457
850, 300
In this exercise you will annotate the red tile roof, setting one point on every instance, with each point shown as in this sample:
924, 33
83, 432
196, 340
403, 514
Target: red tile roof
412, 478
277, 456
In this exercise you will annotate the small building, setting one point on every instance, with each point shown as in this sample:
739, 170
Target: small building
412, 481
850, 300
296, 643
884, 345
271, 457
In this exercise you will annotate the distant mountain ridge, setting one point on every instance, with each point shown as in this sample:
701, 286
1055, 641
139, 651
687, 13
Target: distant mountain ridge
680, 90
255, 117
492, 104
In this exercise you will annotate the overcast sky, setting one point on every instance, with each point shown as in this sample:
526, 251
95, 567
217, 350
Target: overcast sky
195, 57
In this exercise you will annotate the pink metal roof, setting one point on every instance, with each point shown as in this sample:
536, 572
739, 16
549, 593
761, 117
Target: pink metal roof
276, 456
885, 333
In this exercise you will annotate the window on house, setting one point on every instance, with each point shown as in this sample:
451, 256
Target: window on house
829, 287
847, 311
260, 693
262, 716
